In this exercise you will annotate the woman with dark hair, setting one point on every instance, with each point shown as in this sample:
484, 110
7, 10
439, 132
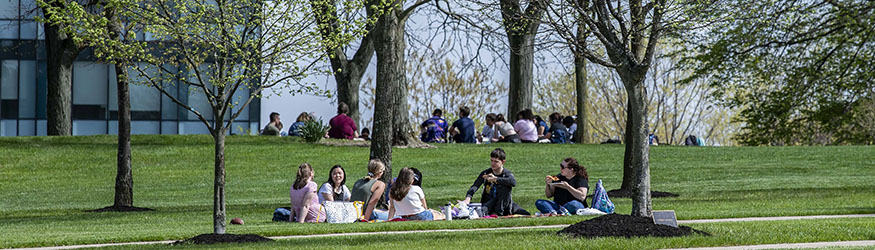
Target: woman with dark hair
335, 188
506, 133
525, 126
568, 189
542, 126
302, 195
407, 200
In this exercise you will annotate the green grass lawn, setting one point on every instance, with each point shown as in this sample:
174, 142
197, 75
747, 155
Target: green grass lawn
723, 234
46, 183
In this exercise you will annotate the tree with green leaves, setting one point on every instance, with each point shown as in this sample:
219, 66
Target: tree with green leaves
627, 34
798, 70
225, 52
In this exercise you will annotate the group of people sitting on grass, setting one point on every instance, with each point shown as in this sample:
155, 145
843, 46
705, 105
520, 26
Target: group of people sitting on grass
406, 199
340, 126
527, 128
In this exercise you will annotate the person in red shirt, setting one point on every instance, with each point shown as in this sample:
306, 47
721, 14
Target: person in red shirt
342, 127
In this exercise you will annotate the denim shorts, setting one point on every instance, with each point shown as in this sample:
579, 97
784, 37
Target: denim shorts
424, 215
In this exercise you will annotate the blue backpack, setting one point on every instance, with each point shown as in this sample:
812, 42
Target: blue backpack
282, 214
600, 199
559, 136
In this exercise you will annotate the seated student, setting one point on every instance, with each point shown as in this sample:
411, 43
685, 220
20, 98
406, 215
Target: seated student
439, 133
489, 133
295, 128
341, 126
369, 189
432, 132
335, 188
506, 133
463, 130
558, 133
568, 189
302, 194
499, 183
366, 134
408, 200
571, 124
541, 126
525, 126
274, 126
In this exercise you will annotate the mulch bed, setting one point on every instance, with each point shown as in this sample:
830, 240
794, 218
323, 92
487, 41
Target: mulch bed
120, 209
617, 225
222, 238
653, 194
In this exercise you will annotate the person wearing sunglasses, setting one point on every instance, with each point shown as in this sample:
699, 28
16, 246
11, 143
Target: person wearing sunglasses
568, 189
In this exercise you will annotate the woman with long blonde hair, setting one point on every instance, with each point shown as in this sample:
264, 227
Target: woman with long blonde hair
369, 189
303, 198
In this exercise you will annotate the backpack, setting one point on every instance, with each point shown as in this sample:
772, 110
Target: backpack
600, 199
282, 214
559, 136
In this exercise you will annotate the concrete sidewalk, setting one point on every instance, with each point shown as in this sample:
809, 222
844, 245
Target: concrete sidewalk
859, 243
870, 243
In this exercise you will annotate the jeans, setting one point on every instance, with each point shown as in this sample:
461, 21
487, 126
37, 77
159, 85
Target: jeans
379, 215
546, 206
424, 215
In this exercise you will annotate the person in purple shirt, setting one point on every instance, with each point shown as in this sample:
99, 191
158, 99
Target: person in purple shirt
342, 127
463, 130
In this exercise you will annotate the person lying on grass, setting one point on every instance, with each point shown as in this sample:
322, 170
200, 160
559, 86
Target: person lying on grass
302, 194
369, 189
407, 200
335, 188
568, 189
499, 183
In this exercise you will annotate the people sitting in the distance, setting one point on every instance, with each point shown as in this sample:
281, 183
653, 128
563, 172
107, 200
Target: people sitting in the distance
488, 134
304, 201
274, 126
558, 132
335, 188
463, 130
435, 128
341, 126
499, 183
295, 128
525, 126
432, 132
366, 134
541, 126
369, 190
568, 189
506, 133
654, 139
571, 124
408, 200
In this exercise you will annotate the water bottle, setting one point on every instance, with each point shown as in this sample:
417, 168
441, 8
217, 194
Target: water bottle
448, 211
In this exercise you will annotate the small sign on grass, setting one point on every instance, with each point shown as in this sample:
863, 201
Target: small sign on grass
665, 217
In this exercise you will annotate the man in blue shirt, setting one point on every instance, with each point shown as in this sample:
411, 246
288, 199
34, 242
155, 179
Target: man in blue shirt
435, 128
463, 130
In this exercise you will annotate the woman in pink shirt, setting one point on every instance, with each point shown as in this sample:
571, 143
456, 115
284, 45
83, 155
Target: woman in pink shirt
302, 194
525, 126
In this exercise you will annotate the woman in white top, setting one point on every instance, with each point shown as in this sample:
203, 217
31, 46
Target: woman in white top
408, 200
525, 126
506, 133
335, 188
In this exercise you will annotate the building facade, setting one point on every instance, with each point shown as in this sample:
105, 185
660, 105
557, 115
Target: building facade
23, 88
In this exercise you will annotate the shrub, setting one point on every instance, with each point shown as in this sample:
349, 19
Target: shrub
313, 130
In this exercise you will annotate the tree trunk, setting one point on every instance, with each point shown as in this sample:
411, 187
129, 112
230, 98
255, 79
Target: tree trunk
636, 162
522, 55
219, 185
124, 182
348, 81
582, 132
389, 46
60, 53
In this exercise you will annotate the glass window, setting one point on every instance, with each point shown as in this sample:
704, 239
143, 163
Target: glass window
27, 89
239, 99
8, 127
26, 127
9, 9
89, 90
9, 79
8, 29
89, 127
28, 29
41, 90
197, 99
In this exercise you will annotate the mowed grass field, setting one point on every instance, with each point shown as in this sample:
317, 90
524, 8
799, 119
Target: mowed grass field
47, 183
